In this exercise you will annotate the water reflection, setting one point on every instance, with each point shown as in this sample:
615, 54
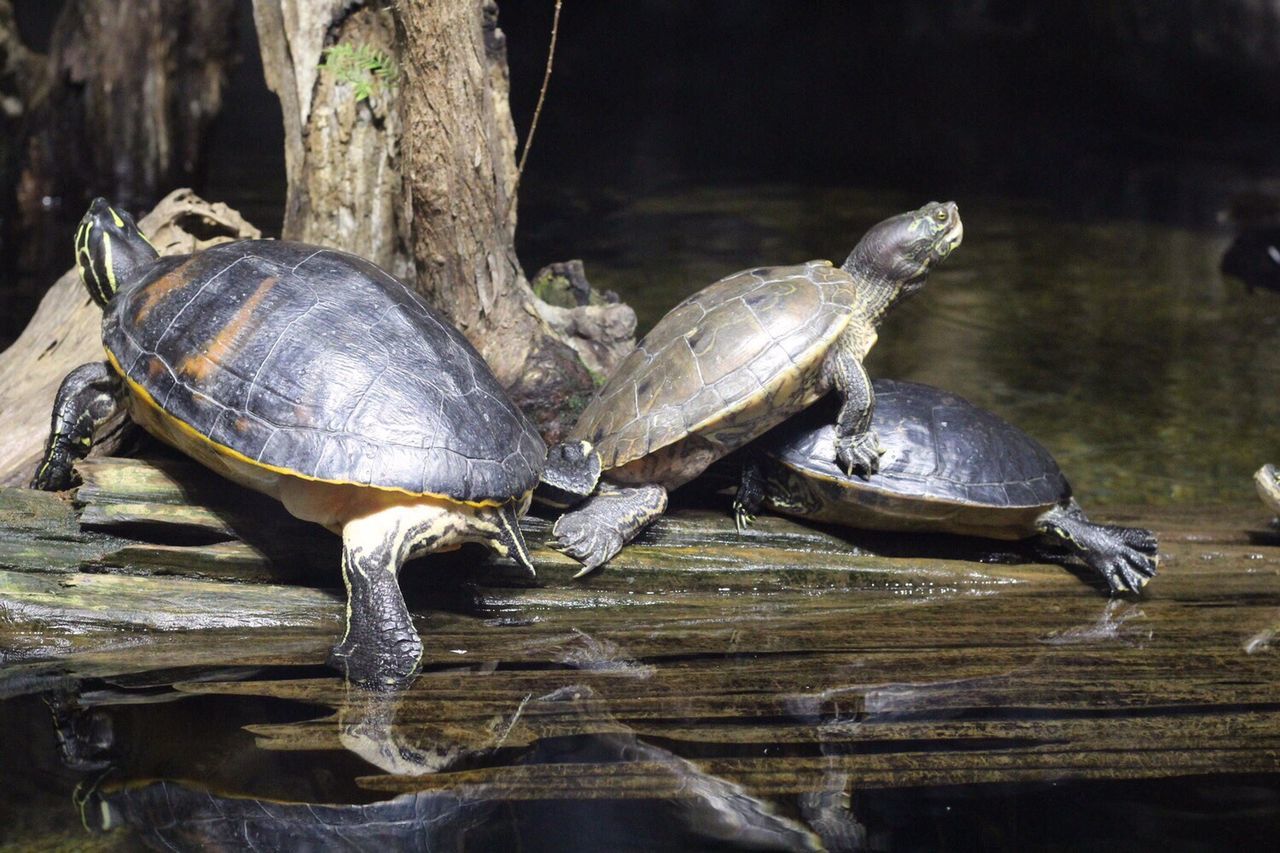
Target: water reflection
574, 778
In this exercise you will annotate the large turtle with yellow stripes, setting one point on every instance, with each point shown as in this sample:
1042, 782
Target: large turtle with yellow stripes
737, 358
311, 375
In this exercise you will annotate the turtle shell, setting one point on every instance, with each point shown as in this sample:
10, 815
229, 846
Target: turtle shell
727, 363
944, 460
318, 364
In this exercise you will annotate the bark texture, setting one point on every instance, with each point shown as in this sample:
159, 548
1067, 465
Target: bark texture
342, 150
66, 330
134, 85
118, 108
420, 176
460, 146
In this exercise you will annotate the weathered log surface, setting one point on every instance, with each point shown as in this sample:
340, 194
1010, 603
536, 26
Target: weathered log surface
787, 660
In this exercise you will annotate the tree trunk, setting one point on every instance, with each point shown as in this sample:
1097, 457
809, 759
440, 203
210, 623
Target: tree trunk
460, 149
420, 176
134, 87
342, 127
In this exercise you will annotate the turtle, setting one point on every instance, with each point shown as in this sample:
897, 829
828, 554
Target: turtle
735, 359
1267, 481
948, 467
311, 375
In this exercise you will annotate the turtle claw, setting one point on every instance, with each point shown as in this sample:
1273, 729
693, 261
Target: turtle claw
859, 455
1126, 572
741, 518
585, 542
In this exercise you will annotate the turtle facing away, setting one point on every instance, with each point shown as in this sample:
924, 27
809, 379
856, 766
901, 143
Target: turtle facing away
1267, 481
737, 358
948, 467
315, 377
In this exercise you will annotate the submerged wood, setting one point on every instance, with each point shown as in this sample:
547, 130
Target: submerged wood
787, 660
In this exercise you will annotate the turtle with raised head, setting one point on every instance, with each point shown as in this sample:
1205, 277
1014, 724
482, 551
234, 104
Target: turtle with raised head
737, 358
315, 377
948, 467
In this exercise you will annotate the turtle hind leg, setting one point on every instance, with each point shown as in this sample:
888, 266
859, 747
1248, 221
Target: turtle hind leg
752, 488
89, 396
595, 532
570, 476
1126, 557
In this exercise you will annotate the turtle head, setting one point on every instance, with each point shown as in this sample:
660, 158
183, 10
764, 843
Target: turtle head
109, 249
900, 251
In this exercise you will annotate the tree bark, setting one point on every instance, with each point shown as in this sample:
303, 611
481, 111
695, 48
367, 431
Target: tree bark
421, 178
134, 87
342, 151
460, 146
67, 329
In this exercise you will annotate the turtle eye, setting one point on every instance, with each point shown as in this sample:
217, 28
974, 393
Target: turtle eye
941, 215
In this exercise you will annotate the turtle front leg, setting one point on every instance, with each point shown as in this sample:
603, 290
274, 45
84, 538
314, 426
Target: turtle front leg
1126, 557
751, 493
88, 397
380, 647
857, 447
507, 540
594, 533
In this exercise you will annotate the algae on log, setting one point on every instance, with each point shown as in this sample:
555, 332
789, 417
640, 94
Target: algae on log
869, 661
66, 330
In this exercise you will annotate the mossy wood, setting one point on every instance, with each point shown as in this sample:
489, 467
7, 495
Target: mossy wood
787, 660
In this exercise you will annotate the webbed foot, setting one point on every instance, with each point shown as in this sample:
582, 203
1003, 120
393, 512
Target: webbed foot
742, 519
595, 532
859, 454
1126, 557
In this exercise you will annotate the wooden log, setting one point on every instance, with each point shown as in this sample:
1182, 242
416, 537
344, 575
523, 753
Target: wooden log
786, 660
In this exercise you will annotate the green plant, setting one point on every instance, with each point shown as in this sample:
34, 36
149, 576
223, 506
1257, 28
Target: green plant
365, 67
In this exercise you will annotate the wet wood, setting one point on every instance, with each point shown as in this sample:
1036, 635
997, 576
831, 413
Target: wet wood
787, 660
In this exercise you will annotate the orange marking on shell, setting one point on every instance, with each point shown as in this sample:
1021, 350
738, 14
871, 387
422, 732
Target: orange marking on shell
156, 292
198, 365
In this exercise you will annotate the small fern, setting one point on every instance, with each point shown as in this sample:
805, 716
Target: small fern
365, 67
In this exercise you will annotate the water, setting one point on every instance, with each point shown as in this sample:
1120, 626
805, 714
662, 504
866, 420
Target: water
1116, 343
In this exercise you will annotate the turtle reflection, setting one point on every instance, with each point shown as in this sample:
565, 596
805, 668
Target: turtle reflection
555, 750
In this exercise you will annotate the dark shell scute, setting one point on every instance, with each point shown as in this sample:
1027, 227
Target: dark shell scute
937, 447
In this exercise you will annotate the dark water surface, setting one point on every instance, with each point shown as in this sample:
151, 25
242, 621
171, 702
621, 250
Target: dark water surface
1117, 343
